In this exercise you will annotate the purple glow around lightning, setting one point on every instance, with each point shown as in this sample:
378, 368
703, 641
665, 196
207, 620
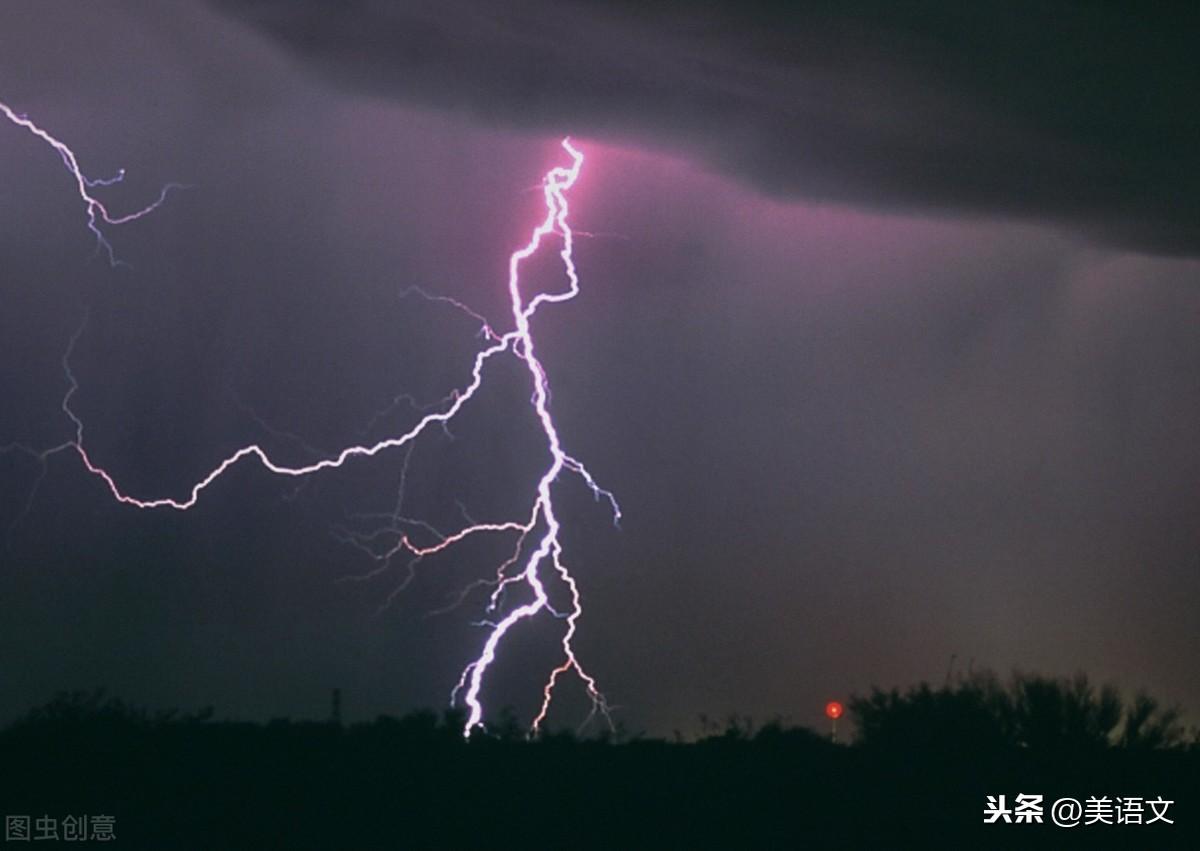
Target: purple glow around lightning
541, 517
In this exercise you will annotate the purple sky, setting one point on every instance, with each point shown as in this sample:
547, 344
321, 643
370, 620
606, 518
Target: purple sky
849, 441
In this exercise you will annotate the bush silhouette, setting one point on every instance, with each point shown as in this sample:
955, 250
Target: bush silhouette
1034, 712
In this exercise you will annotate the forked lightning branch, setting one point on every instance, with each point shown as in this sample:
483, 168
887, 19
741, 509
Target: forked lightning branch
537, 561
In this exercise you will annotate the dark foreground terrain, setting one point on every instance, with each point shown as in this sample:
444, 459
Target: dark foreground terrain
918, 777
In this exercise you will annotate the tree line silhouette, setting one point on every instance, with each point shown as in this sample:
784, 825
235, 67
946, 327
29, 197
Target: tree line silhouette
917, 772
1045, 714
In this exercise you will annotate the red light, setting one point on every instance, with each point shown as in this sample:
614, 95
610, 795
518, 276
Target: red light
833, 710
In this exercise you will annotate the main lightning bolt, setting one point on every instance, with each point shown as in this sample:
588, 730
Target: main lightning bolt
538, 549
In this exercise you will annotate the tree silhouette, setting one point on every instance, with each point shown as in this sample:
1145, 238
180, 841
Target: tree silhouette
1035, 712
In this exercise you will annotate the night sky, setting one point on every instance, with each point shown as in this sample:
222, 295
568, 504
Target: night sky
887, 344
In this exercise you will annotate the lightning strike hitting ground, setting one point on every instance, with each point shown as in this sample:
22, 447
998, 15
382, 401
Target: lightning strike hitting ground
537, 550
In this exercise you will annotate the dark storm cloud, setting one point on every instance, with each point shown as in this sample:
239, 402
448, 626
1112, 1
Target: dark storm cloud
1068, 112
847, 445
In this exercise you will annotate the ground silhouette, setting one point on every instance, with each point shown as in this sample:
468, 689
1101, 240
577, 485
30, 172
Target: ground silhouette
917, 774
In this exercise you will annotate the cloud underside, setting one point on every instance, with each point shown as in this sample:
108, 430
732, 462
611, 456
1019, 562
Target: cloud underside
1048, 111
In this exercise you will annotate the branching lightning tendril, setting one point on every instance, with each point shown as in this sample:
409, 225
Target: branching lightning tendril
97, 212
537, 555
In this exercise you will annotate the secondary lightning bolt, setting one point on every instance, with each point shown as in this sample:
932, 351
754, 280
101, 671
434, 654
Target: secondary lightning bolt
542, 515
97, 213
